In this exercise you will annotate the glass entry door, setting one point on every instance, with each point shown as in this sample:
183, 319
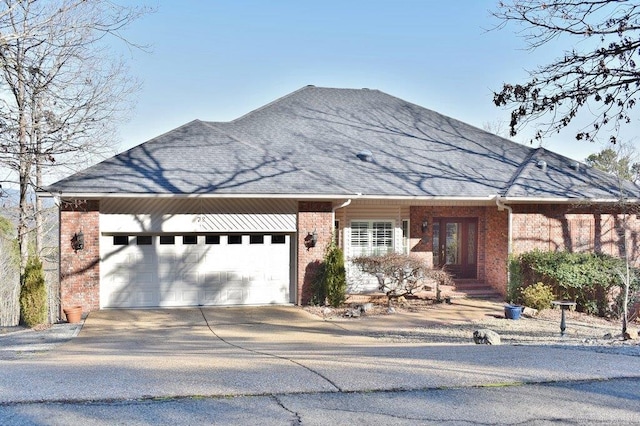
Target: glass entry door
455, 242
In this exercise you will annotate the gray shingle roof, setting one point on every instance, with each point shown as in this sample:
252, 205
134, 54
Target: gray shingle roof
308, 142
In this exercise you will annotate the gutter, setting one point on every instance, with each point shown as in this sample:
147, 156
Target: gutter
333, 215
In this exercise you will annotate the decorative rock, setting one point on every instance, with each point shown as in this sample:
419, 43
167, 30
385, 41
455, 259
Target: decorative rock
327, 311
366, 307
607, 336
486, 337
529, 312
391, 310
353, 313
630, 334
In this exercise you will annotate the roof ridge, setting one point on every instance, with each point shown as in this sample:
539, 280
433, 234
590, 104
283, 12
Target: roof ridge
520, 169
281, 98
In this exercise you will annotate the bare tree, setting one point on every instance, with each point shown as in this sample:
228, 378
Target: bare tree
61, 90
596, 74
401, 274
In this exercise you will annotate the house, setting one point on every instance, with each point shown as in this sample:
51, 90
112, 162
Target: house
240, 212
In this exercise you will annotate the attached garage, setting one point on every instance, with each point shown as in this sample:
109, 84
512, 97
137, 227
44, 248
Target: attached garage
191, 259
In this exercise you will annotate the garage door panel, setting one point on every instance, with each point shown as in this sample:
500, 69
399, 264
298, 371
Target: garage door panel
180, 274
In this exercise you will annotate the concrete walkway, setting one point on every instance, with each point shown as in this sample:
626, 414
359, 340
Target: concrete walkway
134, 354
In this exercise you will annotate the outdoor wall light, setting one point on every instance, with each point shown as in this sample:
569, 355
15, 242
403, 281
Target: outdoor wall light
77, 241
311, 239
425, 225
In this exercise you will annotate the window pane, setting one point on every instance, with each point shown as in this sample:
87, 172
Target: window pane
382, 234
120, 240
278, 239
167, 239
436, 244
189, 239
234, 239
212, 239
256, 239
471, 244
143, 240
360, 234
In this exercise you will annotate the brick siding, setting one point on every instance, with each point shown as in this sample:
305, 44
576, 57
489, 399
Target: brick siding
80, 271
312, 216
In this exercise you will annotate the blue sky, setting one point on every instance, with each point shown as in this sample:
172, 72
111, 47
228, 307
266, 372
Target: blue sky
217, 60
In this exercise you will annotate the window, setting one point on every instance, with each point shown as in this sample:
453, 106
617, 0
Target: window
371, 237
278, 239
120, 240
256, 239
405, 236
143, 240
189, 239
336, 233
234, 239
212, 239
167, 239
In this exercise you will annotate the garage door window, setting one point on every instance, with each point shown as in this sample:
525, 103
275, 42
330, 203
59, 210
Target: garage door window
234, 239
143, 240
212, 239
189, 239
120, 240
256, 239
167, 239
278, 239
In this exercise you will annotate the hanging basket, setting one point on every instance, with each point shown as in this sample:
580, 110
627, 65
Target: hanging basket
73, 314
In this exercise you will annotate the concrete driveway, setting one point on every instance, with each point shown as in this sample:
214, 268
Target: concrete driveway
134, 354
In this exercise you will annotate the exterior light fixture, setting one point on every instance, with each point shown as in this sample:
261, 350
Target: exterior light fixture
425, 225
311, 239
77, 241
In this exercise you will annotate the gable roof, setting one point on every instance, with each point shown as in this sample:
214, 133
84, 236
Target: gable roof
324, 142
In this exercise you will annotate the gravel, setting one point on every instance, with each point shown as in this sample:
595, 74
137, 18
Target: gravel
582, 331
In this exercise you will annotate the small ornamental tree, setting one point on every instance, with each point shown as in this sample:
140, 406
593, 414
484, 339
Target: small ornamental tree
331, 280
400, 274
33, 294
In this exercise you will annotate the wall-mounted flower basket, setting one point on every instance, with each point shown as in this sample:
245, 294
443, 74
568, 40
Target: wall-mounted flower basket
73, 314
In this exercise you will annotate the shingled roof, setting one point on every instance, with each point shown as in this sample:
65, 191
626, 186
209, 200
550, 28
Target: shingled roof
329, 142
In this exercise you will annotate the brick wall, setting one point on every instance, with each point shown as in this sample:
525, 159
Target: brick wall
571, 228
80, 271
312, 216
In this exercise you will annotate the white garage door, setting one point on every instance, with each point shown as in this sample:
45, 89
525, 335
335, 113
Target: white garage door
192, 270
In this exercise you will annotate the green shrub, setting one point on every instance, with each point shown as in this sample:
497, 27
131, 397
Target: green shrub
330, 285
538, 296
33, 294
585, 278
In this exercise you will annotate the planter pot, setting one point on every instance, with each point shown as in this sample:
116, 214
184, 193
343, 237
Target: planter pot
512, 312
73, 314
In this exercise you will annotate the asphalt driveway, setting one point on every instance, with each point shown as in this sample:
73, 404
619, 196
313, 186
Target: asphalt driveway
134, 354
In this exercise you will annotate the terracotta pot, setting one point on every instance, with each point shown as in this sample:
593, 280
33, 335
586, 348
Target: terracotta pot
73, 314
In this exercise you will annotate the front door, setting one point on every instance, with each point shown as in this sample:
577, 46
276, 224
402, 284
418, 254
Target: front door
455, 242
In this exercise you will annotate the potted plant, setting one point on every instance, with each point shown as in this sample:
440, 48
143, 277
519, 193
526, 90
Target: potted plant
73, 313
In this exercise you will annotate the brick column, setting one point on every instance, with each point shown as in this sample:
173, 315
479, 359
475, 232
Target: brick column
80, 270
312, 216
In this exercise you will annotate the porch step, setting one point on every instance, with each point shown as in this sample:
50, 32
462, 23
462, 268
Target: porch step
475, 289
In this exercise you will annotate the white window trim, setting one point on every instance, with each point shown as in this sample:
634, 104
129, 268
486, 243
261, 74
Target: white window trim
395, 243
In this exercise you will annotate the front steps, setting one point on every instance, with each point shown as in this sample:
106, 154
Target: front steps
475, 289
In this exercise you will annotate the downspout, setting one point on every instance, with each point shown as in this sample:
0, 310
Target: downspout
333, 216
501, 207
